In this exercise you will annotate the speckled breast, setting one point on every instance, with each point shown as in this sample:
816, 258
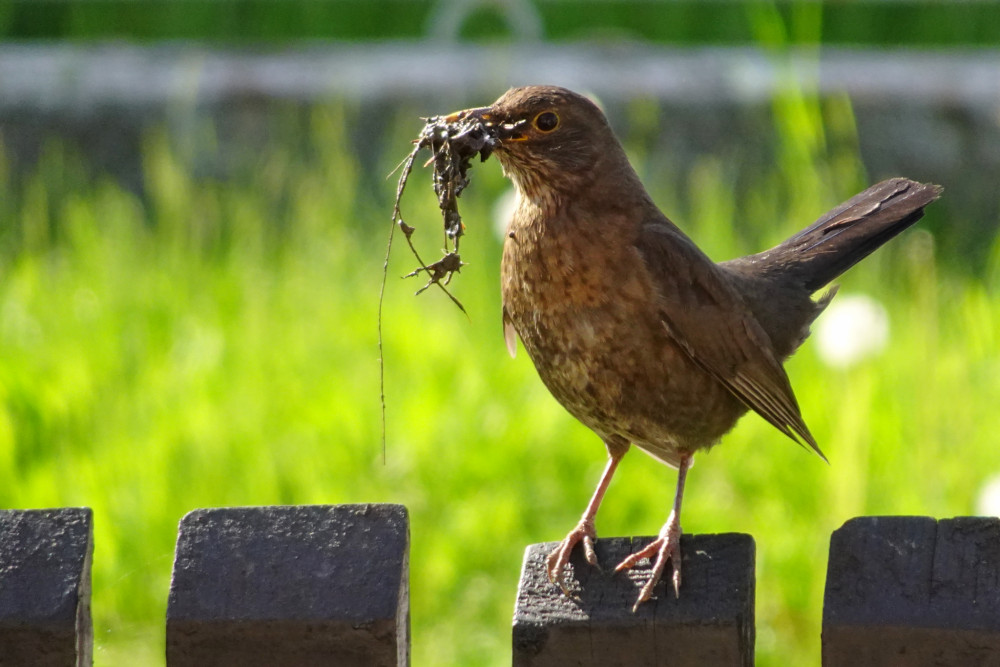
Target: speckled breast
587, 316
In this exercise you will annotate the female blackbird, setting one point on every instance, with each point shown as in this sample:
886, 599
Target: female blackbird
634, 329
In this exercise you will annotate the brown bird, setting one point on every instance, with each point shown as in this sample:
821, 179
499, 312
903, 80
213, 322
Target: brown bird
634, 330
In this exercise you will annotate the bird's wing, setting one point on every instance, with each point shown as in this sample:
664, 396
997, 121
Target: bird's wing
705, 315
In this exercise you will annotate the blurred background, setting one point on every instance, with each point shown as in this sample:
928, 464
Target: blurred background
195, 200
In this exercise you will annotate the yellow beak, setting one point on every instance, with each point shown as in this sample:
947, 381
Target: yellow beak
482, 113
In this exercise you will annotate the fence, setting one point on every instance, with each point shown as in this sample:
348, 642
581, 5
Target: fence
327, 585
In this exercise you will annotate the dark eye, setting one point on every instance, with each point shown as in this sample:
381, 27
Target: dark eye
546, 121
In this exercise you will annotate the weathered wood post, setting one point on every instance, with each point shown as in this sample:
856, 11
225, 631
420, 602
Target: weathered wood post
913, 591
291, 586
712, 624
45, 587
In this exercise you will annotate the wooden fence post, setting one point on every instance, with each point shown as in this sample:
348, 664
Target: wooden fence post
711, 624
302, 586
45, 587
913, 591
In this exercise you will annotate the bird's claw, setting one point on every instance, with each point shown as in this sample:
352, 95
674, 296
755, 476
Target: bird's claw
666, 547
559, 558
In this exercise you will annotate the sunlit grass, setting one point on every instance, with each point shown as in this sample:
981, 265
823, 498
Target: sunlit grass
214, 344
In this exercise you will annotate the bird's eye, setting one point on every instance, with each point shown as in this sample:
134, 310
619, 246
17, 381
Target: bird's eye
546, 121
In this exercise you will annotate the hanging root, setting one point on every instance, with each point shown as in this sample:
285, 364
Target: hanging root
452, 146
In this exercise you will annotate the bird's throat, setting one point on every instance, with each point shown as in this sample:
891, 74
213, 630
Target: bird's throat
538, 196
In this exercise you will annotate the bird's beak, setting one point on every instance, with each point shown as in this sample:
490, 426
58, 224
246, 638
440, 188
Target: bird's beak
504, 130
482, 113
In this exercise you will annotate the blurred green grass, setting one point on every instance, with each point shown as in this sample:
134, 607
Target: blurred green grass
214, 343
911, 23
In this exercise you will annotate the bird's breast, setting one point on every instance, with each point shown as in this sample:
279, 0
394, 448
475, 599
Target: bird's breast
582, 302
577, 303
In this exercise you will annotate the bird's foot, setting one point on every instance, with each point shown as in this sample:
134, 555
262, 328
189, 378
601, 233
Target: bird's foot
666, 547
559, 558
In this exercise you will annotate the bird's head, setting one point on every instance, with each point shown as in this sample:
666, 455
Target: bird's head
549, 139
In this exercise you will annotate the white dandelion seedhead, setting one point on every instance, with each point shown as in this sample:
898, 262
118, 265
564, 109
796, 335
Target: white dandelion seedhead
988, 503
853, 328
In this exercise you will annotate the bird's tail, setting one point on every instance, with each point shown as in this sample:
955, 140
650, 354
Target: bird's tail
849, 233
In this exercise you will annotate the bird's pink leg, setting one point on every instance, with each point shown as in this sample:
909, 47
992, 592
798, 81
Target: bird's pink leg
585, 531
667, 546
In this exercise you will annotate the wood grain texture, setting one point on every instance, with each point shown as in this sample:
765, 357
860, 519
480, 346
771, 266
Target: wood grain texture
291, 586
45, 559
711, 624
913, 591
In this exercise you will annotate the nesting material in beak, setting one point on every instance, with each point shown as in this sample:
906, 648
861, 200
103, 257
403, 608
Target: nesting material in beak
481, 113
453, 141
499, 130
